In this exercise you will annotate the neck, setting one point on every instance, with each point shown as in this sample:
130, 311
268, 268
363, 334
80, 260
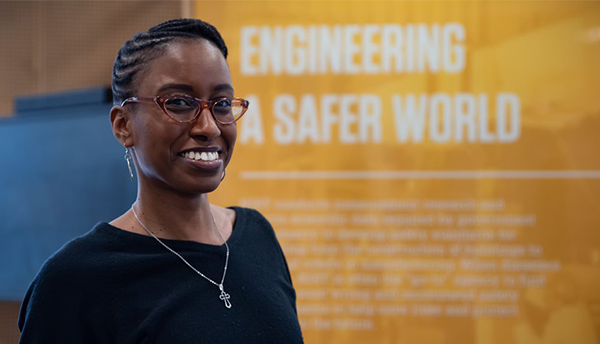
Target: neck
176, 216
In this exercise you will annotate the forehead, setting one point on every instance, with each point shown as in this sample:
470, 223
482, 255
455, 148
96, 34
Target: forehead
194, 62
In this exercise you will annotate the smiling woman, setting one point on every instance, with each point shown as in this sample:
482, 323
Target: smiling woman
173, 268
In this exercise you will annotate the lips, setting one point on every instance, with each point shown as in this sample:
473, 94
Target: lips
208, 159
197, 156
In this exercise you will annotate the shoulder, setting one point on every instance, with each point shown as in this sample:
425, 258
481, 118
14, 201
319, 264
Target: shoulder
249, 214
261, 236
72, 275
241, 217
83, 249
72, 297
254, 229
233, 212
76, 262
253, 220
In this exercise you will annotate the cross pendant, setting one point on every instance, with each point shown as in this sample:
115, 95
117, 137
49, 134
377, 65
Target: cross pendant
225, 297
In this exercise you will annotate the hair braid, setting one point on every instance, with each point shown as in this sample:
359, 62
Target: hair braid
136, 53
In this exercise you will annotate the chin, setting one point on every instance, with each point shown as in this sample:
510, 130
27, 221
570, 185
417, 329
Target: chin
200, 189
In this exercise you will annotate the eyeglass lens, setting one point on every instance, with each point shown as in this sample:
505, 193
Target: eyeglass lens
185, 109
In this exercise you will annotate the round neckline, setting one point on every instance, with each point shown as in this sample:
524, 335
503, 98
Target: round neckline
181, 244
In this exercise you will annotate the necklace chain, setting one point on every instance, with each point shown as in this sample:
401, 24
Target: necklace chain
224, 296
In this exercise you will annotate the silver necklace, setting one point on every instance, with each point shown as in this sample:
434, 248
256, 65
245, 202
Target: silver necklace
224, 296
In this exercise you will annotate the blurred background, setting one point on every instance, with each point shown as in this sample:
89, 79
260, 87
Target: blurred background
431, 168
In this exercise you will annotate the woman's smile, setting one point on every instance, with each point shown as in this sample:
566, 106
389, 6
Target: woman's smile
206, 159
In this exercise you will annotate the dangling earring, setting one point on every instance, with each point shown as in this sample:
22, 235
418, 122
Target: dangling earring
128, 159
223, 176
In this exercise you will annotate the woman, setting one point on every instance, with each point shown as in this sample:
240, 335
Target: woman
174, 268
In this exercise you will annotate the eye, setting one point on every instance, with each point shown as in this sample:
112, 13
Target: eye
178, 104
222, 107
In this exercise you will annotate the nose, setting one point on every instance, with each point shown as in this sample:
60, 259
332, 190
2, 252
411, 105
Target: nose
205, 127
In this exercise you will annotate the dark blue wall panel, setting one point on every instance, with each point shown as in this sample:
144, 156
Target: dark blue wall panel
61, 171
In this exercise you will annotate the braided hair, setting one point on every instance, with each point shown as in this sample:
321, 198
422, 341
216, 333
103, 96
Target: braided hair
135, 55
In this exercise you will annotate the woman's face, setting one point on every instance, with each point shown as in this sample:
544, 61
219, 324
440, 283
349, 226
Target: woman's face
189, 67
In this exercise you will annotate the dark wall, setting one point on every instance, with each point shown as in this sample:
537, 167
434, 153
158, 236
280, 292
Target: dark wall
50, 46
61, 172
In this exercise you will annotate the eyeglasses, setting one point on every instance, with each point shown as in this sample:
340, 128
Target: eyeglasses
183, 109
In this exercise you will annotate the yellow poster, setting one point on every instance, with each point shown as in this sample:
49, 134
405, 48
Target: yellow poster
431, 169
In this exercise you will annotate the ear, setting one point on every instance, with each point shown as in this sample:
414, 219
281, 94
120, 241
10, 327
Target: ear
121, 125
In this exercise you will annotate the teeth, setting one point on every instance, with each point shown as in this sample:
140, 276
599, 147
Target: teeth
204, 156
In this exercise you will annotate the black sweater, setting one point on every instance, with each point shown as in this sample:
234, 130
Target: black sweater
114, 286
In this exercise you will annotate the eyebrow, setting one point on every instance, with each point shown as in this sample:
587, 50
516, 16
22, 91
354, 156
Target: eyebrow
223, 87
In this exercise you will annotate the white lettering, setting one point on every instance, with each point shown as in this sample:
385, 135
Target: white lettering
251, 128
353, 49
504, 101
248, 50
462, 117
453, 54
283, 107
